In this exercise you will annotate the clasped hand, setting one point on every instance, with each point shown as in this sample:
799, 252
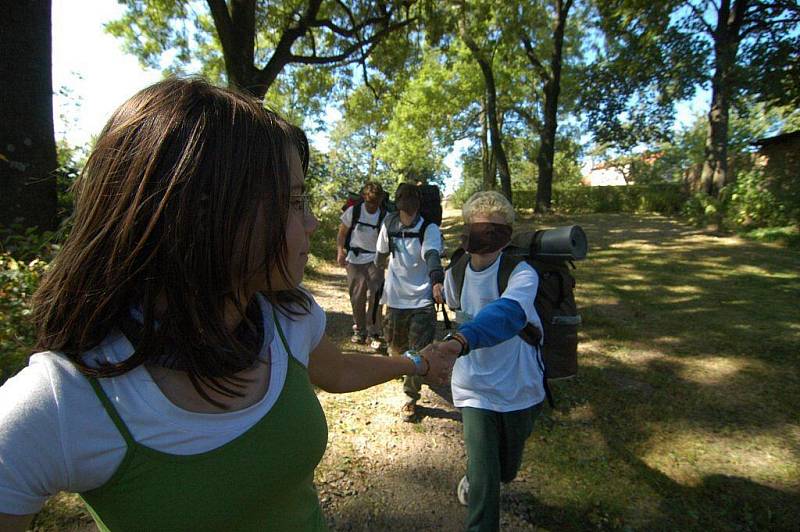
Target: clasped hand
441, 358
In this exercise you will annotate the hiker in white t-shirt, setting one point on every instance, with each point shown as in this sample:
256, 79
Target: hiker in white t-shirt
412, 247
498, 379
355, 243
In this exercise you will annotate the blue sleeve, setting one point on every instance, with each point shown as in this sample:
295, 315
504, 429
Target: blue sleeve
496, 322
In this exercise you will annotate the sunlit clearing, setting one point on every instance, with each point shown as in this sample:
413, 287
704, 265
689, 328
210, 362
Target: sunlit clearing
684, 289
712, 370
692, 455
581, 414
680, 300
635, 244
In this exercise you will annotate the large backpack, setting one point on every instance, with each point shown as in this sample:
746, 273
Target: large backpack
430, 210
352, 199
430, 203
551, 253
355, 221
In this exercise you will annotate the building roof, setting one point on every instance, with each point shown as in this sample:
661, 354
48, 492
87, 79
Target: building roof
777, 139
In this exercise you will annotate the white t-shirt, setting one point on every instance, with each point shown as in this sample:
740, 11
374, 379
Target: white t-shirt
407, 284
507, 376
56, 436
363, 236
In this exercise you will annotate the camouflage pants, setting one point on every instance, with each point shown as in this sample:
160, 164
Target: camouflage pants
406, 329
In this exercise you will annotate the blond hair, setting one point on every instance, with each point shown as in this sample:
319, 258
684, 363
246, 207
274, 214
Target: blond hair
488, 203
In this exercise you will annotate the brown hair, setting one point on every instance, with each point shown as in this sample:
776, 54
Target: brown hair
164, 213
372, 190
407, 197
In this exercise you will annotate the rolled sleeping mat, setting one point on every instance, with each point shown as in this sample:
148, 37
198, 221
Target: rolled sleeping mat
566, 243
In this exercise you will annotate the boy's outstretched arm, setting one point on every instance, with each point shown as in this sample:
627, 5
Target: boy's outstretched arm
497, 322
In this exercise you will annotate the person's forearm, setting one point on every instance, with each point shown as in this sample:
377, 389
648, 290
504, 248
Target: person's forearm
497, 322
381, 260
434, 263
362, 371
341, 236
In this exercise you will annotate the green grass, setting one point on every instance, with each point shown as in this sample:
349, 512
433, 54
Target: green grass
685, 413
789, 235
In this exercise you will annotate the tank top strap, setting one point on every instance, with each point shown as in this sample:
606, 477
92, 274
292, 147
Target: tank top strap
111, 411
280, 333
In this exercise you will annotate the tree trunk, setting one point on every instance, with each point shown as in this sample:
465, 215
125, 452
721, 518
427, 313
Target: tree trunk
552, 89
726, 45
27, 137
487, 161
495, 135
236, 30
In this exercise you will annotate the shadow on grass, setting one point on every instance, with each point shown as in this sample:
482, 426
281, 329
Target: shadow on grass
689, 358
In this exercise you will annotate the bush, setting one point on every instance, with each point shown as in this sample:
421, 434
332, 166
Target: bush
752, 202
323, 241
24, 257
755, 203
664, 198
701, 209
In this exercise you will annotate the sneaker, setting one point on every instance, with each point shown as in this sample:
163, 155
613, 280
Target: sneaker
358, 339
377, 344
462, 491
409, 411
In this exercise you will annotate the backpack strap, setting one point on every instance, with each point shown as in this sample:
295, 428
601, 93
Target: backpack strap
356, 214
458, 269
507, 265
529, 334
392, 234
381, 216
447, 324
422, 229
356, 220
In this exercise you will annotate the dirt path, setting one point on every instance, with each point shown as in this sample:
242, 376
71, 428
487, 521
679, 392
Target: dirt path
380, 473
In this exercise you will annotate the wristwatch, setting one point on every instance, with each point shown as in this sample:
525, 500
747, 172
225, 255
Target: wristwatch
419, 363
458, 337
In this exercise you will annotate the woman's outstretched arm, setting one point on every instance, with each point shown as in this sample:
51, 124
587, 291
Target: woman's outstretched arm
338, 372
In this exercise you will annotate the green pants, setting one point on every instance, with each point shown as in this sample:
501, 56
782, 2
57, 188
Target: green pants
406, 329
494, 442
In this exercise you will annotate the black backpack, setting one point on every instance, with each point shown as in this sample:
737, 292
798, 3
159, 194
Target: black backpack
551, 253
355, 221
430, 203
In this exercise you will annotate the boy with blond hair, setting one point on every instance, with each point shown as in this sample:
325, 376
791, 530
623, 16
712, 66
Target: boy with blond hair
497, 380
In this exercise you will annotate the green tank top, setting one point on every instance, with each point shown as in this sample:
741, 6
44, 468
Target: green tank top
261, 480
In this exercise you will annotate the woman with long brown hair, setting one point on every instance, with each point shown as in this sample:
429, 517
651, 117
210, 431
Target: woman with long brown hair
172, 389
